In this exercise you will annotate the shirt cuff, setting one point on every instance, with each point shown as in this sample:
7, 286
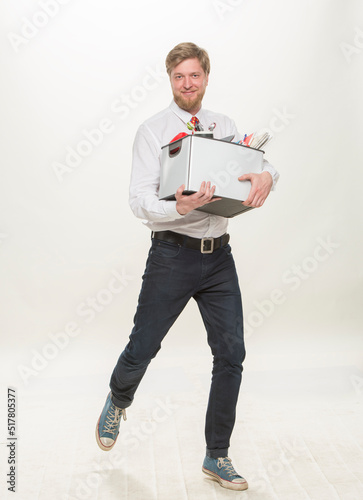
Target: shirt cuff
171, 211
274, 174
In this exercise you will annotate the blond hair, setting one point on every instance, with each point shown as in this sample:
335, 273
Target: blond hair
187, 50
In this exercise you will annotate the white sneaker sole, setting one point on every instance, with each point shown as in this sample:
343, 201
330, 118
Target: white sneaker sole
224, 483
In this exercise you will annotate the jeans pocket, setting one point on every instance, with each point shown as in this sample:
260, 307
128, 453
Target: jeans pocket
164, 250
228, 250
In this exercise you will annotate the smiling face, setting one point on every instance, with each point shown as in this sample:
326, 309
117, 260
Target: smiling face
188, 83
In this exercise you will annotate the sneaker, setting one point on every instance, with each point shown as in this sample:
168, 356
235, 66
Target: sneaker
108, 424
221, 470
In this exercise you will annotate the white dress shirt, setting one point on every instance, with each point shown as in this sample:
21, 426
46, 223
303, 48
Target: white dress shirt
154, 133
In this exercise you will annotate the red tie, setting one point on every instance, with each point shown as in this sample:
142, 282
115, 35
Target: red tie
194, 121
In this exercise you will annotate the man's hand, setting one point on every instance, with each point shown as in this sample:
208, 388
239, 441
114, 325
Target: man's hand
187, 203
261, 185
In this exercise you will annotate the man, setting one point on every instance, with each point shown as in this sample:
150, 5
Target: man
177, 267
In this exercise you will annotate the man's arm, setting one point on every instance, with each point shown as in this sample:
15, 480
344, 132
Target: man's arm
145, 178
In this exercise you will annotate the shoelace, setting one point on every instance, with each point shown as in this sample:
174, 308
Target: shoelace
113, 419
226, 464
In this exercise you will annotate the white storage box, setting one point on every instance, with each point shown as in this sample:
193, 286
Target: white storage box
194, 159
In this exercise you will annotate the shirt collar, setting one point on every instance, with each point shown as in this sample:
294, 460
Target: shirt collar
185, 116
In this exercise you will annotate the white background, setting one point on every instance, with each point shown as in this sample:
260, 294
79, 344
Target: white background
61, 240
62, 237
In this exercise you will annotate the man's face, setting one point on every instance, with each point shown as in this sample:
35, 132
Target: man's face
188, 83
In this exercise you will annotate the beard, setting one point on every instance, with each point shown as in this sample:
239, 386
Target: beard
189, 104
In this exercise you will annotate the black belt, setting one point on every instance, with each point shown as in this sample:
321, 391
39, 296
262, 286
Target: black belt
204, 245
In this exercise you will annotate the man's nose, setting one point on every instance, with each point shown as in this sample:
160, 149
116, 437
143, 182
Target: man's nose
188, 83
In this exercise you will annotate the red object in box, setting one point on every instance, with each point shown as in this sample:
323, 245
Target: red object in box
176, 138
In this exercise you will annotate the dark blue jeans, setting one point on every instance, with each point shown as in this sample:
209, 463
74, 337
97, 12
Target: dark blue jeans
172, 276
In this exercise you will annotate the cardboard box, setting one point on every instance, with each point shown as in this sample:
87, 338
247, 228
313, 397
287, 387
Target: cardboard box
194, 159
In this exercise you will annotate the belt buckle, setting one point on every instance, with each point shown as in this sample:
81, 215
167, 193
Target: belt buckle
210, 245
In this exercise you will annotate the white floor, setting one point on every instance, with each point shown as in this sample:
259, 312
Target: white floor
298, 434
